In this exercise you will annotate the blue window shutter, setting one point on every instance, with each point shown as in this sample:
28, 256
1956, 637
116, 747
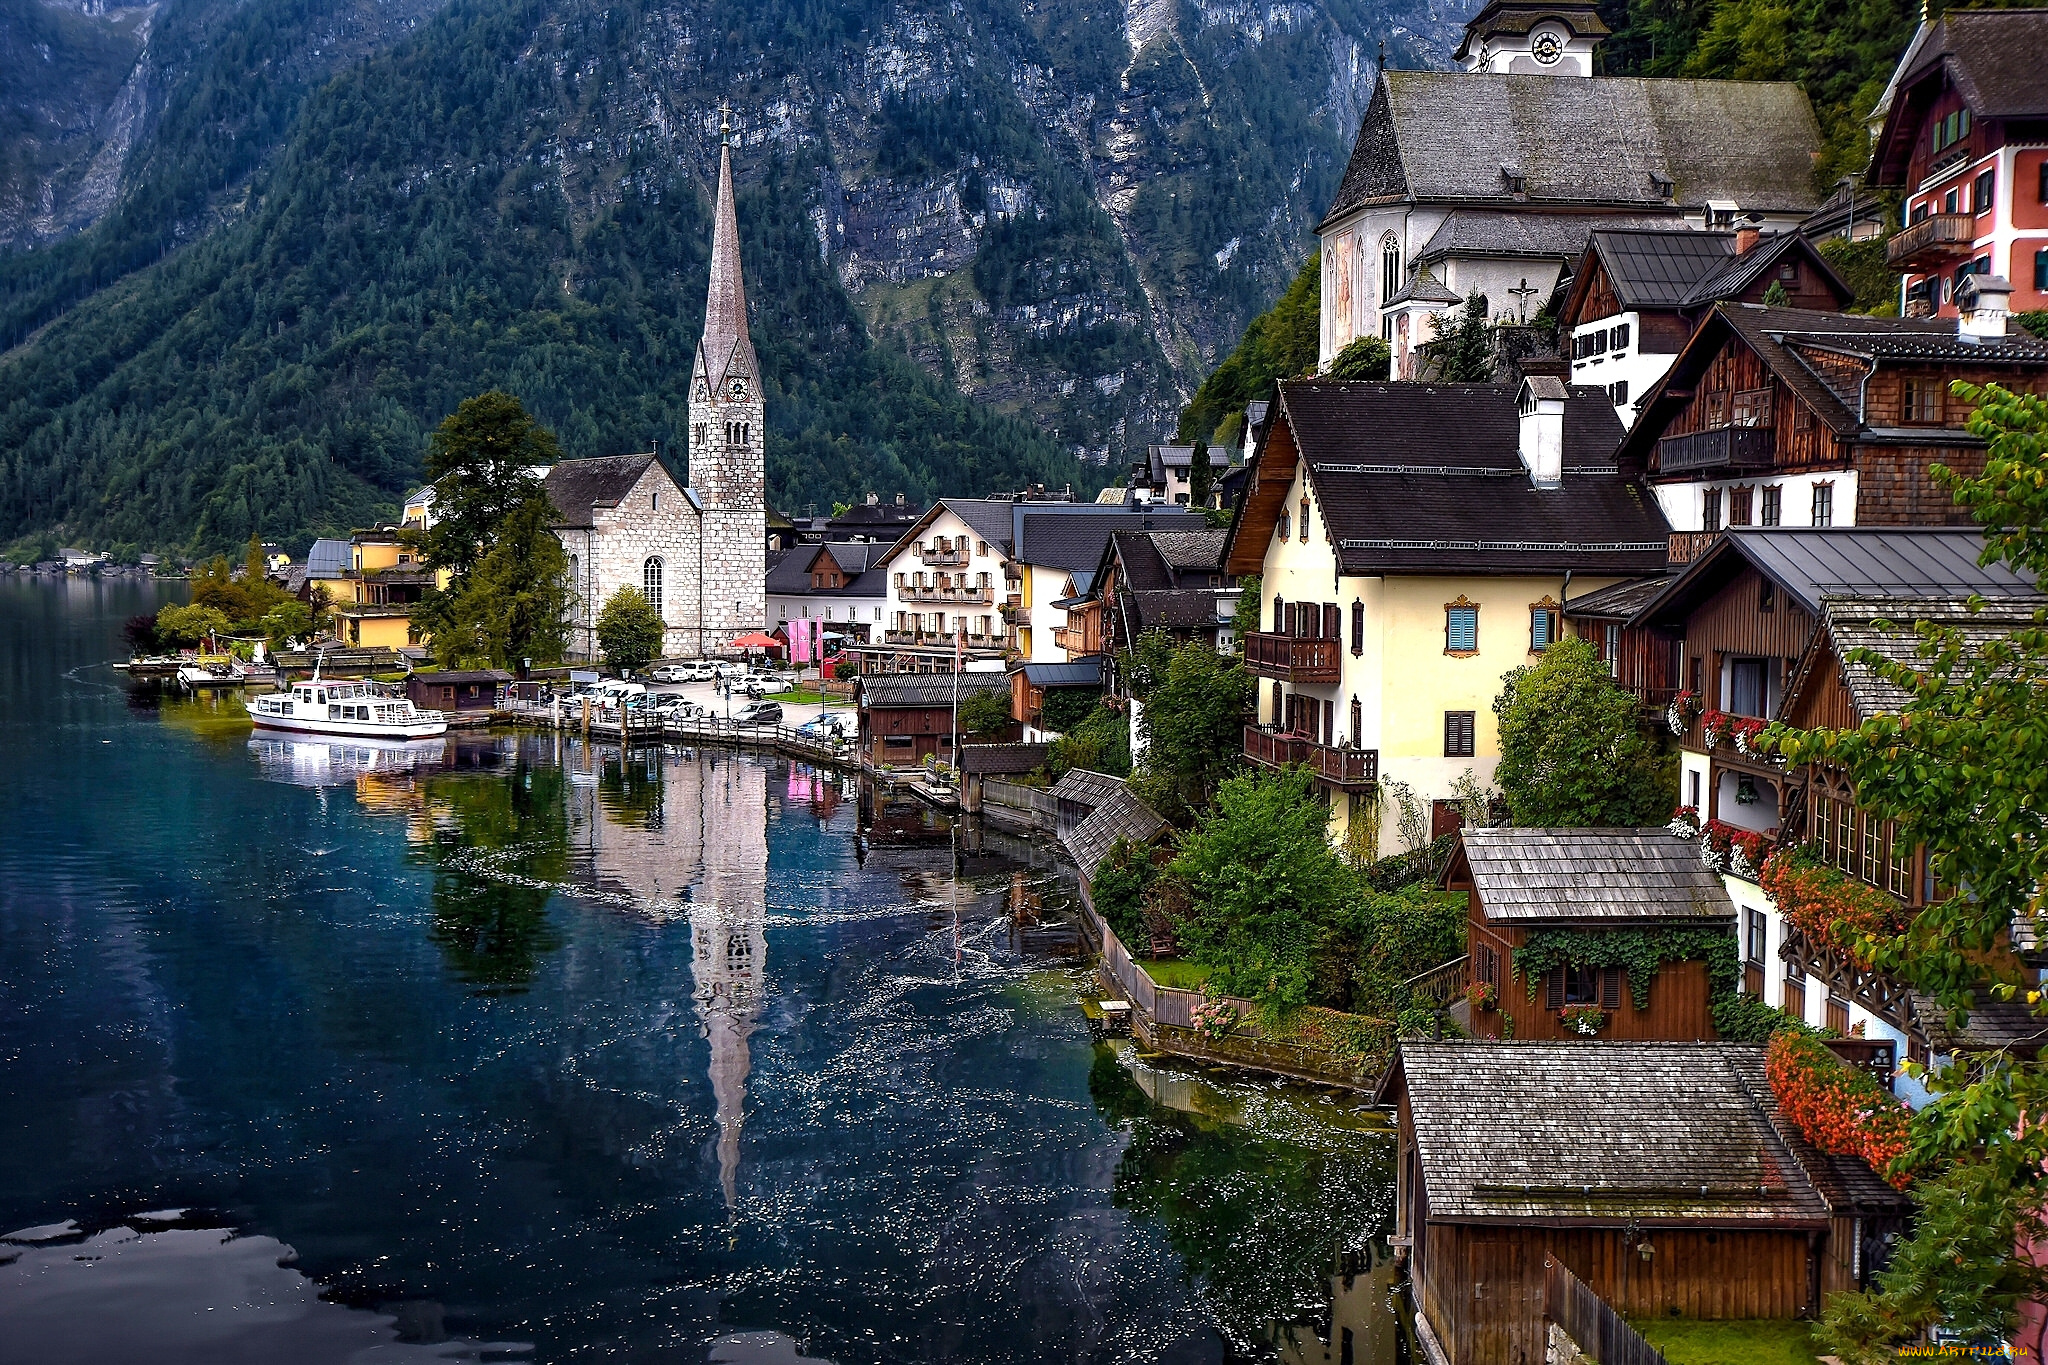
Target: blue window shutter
1462, 631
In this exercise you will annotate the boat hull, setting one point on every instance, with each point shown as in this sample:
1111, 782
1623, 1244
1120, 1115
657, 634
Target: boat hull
422, 728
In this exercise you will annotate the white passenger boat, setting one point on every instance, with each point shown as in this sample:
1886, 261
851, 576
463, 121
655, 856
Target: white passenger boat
322, 706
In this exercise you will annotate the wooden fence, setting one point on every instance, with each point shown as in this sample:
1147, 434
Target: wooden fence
1439, 985
1587, 1319
1018, 797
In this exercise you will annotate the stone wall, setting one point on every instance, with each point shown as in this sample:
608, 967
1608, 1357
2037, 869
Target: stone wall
655, 519
729, 473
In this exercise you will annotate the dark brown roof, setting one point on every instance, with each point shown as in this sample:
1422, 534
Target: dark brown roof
1595, 142
1592, 876
1617, 601
1419, 478
1614, 1133
1003, 758
1993, 57
1171, 609
576, 487
899, 691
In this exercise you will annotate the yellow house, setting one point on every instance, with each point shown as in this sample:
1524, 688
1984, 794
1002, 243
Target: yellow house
1414, 543
376, 593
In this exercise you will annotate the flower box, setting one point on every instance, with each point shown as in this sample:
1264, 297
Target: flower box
1484, 995
1584, 1020
1840, 1108
1713, 725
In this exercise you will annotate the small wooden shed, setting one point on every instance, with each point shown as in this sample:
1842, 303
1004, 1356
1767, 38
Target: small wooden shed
1662, 1174
1595, 882
456, 689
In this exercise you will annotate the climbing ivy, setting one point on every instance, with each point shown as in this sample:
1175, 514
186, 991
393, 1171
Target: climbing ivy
1642, 952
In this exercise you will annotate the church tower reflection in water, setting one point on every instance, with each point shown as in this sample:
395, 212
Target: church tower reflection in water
685, 836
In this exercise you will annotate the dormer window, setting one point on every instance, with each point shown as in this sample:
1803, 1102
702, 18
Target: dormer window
1663, 185
1517, 183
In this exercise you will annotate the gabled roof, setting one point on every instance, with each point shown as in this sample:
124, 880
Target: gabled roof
1074, 538
1740, 271
1793, 343
987, 518
579, 487
1192, 551
1085, 787
1616, 1133
1616, 601
1993, 57
1661, 269
1594, 142
852, 556
1422, 287
898, 691
1809, 564
329, 558
1427, 478
1589, 876
1171, 609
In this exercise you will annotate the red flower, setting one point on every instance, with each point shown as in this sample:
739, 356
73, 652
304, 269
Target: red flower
1840, 1109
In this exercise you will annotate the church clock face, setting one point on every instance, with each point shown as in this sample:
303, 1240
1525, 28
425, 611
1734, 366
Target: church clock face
737, 388
1547, 48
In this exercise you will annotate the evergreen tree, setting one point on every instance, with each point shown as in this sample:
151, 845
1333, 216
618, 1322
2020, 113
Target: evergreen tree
1463, 349
1201, 478
1365, 358
513, 606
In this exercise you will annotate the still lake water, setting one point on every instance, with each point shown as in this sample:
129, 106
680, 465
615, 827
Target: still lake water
513, 1048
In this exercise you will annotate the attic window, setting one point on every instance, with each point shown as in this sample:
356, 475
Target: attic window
1665, 187
1517, 183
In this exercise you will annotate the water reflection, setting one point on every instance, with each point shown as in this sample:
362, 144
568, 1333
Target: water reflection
341, 762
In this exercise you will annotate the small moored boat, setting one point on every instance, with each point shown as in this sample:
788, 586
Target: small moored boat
325, 707
212, 670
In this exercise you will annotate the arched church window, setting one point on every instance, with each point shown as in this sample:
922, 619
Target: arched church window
575, 582
1390, 267
650, 582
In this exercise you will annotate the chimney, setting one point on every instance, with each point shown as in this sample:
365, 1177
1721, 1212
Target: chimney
1982, 302
1540, 404
1746, 239
874, 499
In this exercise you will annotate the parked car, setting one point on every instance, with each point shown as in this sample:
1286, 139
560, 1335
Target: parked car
727, 668
764, 684
826, 725
612, 691
758, 713
674, 704
673, 673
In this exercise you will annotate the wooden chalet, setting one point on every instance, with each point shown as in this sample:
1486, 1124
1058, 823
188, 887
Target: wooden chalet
1170, 581
456, 689
906, 718
1030, 683
1599, 880
1662, 1174
1782, 417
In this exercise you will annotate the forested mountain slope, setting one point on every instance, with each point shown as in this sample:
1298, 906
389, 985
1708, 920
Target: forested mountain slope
981, 239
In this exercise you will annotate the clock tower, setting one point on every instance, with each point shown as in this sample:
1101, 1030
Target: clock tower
728, 431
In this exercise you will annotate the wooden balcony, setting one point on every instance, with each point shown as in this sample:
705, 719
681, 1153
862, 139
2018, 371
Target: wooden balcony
972, 597
1291, 658
1729, 448
1931, 242
1339, 767
944, 559
1683, 547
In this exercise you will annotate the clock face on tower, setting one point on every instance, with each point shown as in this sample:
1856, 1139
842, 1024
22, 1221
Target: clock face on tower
1547, 47
737, 388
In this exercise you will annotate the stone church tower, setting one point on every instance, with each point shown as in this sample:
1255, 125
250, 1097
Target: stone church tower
728, 432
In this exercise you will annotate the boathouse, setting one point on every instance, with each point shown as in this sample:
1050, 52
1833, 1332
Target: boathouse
906, 718
456, 689
1661, 1174
1578, 891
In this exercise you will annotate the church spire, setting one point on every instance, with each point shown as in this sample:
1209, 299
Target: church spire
725, 305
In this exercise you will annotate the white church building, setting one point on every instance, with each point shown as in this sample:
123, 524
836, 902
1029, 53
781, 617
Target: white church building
698, 553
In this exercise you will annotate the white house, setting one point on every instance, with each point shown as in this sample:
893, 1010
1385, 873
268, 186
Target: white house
831, 583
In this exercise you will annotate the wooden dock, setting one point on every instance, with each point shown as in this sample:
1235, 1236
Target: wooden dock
595, 722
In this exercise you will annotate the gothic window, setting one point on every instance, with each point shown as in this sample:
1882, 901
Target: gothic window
575, 583
650, 582
1390, 267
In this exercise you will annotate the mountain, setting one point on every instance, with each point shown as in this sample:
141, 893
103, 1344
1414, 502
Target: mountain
255, 256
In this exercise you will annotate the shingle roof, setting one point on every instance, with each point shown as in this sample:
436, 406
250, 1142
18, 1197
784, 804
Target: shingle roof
895, 691
1592, 874
1426, 477
1616, 601
988, 518
1003, 758
577, 486
1616, 1133
1191, 551
1994, 56
1172, 608
1596, 141
328, 559
1851, 623
1422, 287
1085, 787
1117, 815
789, 571
1085, 672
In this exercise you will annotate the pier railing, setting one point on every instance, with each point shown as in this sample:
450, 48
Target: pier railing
612, 722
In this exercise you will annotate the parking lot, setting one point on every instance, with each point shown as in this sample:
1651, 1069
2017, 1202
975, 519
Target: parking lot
717, 703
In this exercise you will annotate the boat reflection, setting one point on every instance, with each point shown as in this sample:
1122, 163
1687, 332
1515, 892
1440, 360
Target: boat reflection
336, 762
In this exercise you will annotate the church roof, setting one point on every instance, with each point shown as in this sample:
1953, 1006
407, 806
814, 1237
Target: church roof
726, 348
1591, 141
576, 487
1582, 17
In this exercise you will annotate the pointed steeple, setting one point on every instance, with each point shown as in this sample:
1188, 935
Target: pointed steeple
725, 304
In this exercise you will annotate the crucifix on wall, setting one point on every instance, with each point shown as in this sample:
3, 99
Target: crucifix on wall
1522, 293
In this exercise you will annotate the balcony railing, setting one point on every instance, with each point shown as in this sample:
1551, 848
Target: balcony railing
974, 597
1931, 241
943, 559
939, 639
1291, 658
1721, 448
1338, 767
1683, 547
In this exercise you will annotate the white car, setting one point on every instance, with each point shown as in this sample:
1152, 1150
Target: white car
674, 704
672, 673
728, 669
764, 684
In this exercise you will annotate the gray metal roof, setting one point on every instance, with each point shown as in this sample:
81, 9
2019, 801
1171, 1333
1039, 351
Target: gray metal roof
1617, 1132
1600, 142
1119, 815
1592, 874
1812, 564
328, 559
1659, 269
1079, 673
895, 691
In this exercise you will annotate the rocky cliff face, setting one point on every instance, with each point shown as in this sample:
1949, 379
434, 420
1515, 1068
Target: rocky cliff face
1061, 208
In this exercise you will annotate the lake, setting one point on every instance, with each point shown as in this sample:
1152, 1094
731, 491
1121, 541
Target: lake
515, 1048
